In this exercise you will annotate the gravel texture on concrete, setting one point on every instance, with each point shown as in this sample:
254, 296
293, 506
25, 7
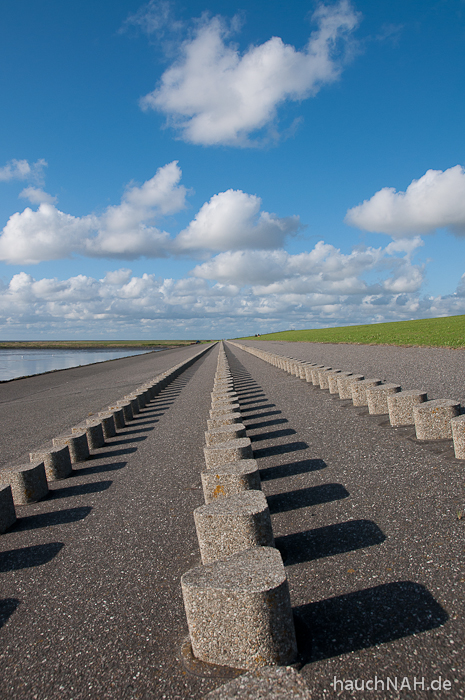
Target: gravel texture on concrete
229, 525
369, 520
229, 479
28, 482
57, 462
239, 612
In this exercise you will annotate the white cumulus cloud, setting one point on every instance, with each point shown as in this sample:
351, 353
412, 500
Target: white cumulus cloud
436, 200
37, 196
213, 94
127, 305
23, 170
232, 220
323, 270
125, 230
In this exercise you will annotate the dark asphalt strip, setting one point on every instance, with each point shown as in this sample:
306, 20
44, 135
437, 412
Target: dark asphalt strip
366, 521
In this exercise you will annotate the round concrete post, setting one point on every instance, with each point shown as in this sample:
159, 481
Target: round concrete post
457, 425
77, 444
308, 372
229, 525
118, 416
316, 373
359, 390
401, 405
57, 462
377, 397
224, 408
224, 419
433, 419
230, 451
239, 611
323, 376
28, 482
227, 432
333, 377
7, 508
135, 405
94, 432
108, 424
229, 479
127, 410
344, 384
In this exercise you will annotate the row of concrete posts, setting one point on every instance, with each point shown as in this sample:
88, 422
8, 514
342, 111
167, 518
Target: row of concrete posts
433, 420
237, 603
28, 483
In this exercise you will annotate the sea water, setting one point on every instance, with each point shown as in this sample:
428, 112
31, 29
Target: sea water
24, 362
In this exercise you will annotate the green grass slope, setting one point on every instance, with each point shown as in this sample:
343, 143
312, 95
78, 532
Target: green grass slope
431, 332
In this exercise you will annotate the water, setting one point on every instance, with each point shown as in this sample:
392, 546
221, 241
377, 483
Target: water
23, 362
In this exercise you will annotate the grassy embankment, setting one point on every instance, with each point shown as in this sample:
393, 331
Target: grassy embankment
430, 332
91, 344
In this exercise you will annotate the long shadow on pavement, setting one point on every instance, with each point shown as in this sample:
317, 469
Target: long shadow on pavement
366, 618
328, 541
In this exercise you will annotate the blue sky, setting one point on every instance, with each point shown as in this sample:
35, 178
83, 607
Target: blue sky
211, 169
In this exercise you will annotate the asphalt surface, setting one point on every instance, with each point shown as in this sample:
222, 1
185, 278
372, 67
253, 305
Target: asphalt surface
364, 516
36, 409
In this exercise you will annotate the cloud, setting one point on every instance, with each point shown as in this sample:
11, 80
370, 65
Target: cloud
323, 270
46, 234
125, 230
232, 220
155, 18
22, 170
128, 305
37, 196
214, 95
229, 221
435, 201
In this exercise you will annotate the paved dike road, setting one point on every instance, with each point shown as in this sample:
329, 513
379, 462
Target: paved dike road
365, 518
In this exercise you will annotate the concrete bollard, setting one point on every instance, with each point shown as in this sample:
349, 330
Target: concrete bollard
229, 479
94, 432
135, 405
332, 379
224, 419
457, 425
267, 683
377, 397
57, 462
308, 372
28, 482
344, 384
230, 451
7, 508
401, 405
108, 424
227, 432
118, 416
230, 525
433, 419
126, 406
224, 408
239, 611
359, 390
224, 398
316, 374
323, 376
77, 444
